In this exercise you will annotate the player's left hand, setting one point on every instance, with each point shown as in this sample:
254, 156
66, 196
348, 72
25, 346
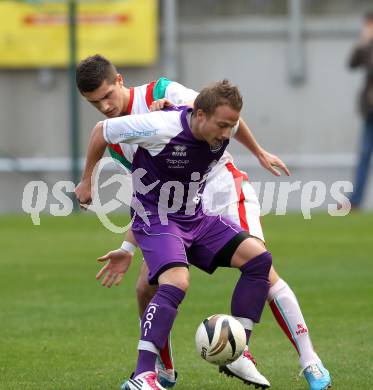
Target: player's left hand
270, 161
160, 104
114, 270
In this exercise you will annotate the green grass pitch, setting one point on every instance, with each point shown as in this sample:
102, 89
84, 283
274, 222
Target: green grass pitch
61, 331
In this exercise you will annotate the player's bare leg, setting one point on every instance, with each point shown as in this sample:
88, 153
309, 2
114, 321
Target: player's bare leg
286, 309
144, 291
167, 375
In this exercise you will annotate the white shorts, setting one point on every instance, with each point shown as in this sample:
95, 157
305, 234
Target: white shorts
229, 193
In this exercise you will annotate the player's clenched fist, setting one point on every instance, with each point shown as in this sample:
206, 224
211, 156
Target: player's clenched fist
83, 193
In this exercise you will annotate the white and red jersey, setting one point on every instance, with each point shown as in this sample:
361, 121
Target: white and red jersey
228, 191
141, 98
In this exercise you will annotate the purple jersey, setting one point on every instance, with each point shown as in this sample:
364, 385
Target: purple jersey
169, 171
170, 166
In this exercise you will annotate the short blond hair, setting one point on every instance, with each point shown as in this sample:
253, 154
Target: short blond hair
218, 94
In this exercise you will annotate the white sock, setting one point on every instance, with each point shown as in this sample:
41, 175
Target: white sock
286, 309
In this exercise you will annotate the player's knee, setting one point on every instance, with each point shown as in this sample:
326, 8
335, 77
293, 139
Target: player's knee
248, 250
177, 276
259, 265
183, 284
267, 261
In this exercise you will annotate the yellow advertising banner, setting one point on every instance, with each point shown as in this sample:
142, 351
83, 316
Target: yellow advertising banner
35, 33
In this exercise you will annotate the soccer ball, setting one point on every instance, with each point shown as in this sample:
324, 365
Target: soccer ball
220, 339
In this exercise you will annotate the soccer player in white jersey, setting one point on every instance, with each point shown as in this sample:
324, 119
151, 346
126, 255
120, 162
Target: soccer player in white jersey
101, 85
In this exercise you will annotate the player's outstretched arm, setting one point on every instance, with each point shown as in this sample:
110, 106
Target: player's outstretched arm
267, 160
96, 149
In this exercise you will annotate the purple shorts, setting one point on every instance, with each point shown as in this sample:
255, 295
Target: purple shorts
194, 241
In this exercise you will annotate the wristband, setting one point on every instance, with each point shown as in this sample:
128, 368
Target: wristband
128, 247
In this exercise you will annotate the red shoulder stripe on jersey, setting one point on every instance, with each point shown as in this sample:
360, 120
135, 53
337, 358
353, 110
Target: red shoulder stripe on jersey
116, 148
239, 177
130, 102
149, 93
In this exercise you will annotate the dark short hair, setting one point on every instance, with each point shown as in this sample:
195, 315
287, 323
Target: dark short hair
92, 71
218, 94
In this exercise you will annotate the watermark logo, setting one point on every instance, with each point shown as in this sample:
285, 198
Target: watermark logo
218, 197
122, 197
35, 194
312, 196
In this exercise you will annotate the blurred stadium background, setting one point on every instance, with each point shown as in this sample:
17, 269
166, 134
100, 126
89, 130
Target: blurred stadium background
289, 57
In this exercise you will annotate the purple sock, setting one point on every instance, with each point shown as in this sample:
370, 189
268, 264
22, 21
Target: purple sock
251, 291
145, 362
156, 325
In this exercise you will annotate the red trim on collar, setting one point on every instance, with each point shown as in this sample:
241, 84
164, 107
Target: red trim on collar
149, 93
130, 102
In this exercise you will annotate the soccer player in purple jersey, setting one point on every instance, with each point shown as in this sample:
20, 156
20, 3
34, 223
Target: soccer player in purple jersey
100, 83
173, 231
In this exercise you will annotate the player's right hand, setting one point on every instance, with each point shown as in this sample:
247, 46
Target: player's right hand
160, 104
114, 270
83, 193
